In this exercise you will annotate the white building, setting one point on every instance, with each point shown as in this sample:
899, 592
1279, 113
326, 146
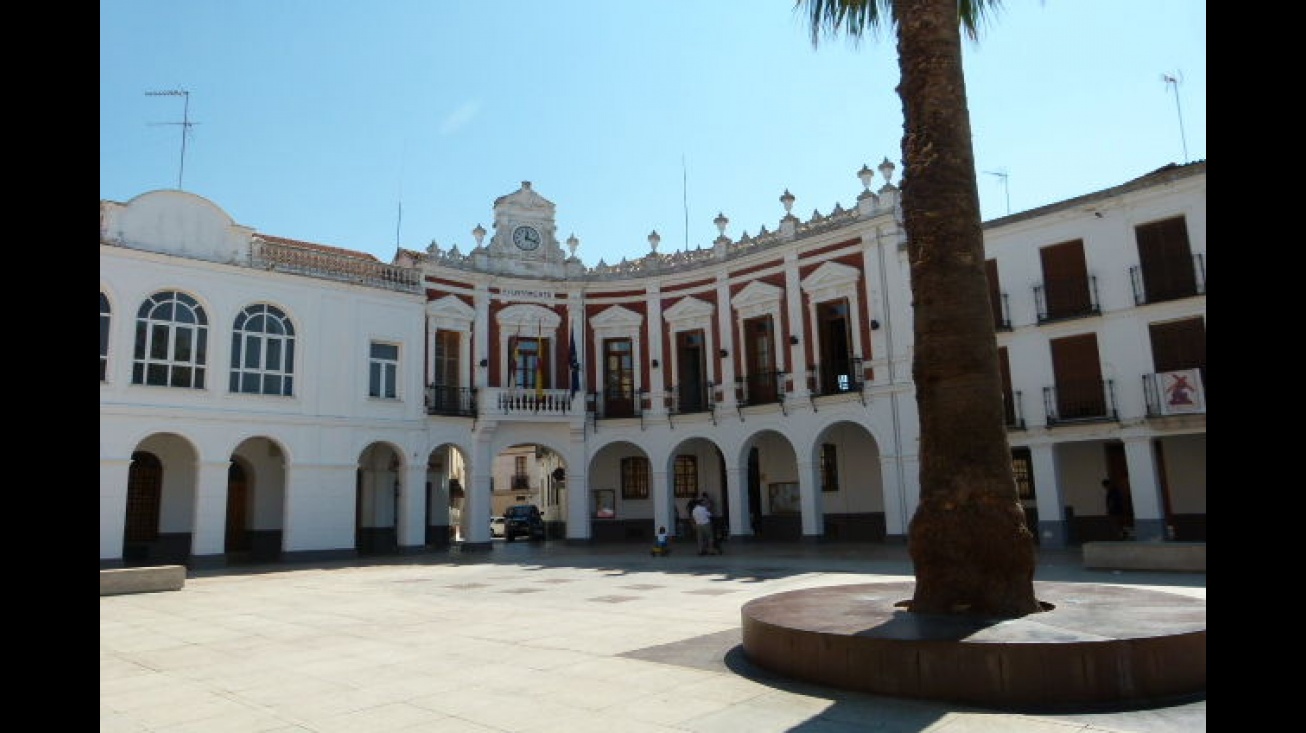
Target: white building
265, 398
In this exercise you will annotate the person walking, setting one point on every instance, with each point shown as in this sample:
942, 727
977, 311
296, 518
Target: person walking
703, 529
1115, 506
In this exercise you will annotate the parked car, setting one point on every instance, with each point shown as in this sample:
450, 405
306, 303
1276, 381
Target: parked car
496, 526
523, 520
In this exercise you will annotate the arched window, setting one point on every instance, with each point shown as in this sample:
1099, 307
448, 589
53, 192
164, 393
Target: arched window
171, 342
105, 312
263, 352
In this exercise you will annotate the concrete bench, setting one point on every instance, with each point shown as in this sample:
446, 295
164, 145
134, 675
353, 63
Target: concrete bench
118, 581
1189, 557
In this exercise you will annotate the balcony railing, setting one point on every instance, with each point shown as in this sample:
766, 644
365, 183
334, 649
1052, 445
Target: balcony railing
1013, 410
1082, 401
1157, 288
1059, 299
616, 403
838, 377
691, 397
535, 402
1002, 316
327, 265
760, 388
452, 401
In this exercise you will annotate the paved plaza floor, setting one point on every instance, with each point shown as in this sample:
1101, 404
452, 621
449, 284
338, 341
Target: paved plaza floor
528, 637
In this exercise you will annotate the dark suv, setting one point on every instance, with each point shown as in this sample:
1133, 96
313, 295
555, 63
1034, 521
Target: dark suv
523, 520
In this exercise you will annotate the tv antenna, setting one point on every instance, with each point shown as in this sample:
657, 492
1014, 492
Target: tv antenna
185, 123
1006, 190
1173, 81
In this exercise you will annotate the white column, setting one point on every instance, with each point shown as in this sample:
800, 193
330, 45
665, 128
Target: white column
794, 314
737, 501
1145, 490
578, 504
410, 525
210, 520
809, 498
483, 327
656, 375
319, 507
727, 365
1053, 530
664, 514
113, 506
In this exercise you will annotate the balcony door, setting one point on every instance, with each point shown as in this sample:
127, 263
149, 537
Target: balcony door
618, 378
691, 388
530, 363
836, 349
1166, 260
759, 359
1080, 390
445, 371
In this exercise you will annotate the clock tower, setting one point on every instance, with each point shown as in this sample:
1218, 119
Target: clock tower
525, 238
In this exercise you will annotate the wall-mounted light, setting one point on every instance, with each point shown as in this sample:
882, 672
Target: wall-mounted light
793, 340
654, 363
485, 362
725, 354
875, 325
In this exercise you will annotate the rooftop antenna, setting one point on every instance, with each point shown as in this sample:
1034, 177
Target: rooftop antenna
684, 194
185, 123
399, 221
1173, 81
1006, 190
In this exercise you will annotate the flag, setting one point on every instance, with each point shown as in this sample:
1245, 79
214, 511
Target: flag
516, 357
575, 365
539, 361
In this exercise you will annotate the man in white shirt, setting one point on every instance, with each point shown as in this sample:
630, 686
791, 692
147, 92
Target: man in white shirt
703, 528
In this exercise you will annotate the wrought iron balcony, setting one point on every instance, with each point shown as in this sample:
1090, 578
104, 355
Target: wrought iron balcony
453, 401
1060, 299
691, 397
1083, 401
838, 377
1013, 412
1002, 316
760, 388
611, 404
1169, 281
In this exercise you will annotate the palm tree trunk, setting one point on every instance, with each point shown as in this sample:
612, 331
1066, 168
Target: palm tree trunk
970, 547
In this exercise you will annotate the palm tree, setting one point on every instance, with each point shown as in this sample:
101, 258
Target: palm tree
971, 550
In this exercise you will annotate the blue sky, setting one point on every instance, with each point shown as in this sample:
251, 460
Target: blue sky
315, 119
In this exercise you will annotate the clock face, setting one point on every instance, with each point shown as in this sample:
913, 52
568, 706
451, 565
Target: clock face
526, 238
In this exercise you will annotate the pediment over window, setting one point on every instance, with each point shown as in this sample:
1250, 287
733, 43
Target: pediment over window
758, 298
450, 313
528, 318
617, 317
688, 309
831, 280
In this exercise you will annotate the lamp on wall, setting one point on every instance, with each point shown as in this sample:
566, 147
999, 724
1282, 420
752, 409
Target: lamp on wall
725, 354
875, 325
654, 363
793, 339
485, 362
